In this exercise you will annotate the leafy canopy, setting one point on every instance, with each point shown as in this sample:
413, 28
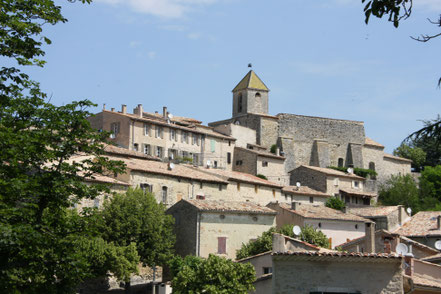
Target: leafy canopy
400, 190
136, 217
215, 275
335, 203
416, 154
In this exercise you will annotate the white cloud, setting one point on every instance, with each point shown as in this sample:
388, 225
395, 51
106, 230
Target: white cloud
161, 8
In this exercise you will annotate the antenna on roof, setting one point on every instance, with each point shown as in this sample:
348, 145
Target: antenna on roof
250, 65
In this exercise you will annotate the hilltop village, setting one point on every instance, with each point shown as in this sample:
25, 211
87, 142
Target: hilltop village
227, 182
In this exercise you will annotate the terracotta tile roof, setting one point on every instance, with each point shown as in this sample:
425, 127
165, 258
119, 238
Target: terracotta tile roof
322, 212
424, 223
340, 254
105, 179
261, 153
358, 192
179, 119
179, 170
371, 211
230, 206
426, 281
110, 149
163, 122
370, 142
257, 255
239, 177
303, 190
390, 156
333, 172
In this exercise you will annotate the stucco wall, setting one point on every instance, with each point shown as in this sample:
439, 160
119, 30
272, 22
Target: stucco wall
338, 231
103, 120
238, 228
304, 276
274, 170
243, 135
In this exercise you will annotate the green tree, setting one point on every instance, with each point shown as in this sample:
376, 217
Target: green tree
430, 186
400, 190
215, 274
136, 217
428, 138
335, 203
416, 154
313, 236
44, 246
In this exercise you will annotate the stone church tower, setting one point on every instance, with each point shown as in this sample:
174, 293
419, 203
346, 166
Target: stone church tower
250, 96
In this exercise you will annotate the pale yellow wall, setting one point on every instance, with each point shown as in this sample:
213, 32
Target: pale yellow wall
238, 228
343, 183
339, 231
304, 199
98, 201
275, 171
189, 189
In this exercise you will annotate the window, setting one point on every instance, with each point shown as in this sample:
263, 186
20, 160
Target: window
184, 137
172, 153
311, 199
172, 135
158, 132
164, 194
239, 162
340, 162
256, 188
213, 145
356, 184
215, 164
319, 225
147, 149
257, 95
221, 245
274, 193
239, 101
264, 163
146, 187
229, 157
146, 130
229, 143
195, 139
267, 270
201, 185
356, 227
195, 159
336, 182
135, 146
114, 128
220, 187
158, 152
238, 186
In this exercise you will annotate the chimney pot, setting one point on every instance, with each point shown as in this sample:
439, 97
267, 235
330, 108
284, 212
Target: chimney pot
164, 111
112, 109
104, 106
124, 109
438, 222
140, 110
370, 237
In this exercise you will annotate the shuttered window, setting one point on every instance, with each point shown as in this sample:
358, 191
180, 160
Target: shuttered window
222, 245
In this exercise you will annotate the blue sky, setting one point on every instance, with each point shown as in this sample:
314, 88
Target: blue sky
317, 57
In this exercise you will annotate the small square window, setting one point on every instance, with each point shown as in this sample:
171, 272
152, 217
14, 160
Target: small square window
264, 163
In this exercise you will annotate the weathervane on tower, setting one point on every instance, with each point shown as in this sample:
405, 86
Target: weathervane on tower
250, 65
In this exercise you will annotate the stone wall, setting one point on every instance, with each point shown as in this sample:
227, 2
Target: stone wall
293, 275
186, 228
245, 161
238, 228
243, 135
310, 178
273, 169
267, 135
304, 130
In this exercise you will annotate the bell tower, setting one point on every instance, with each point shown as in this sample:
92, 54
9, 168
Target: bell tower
250, 96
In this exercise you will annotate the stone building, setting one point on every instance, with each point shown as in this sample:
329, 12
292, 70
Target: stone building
338, 226
166, 136
206, 227
259, 162
308, 140
387, 242
387, 218
424, 227
350, 187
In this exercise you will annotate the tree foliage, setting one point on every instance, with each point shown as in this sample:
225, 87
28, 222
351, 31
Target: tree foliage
215, 275
45, 247
313, 236
400, 190
416, 154
335, 203
137, 217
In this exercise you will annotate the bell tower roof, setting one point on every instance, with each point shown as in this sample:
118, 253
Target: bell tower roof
251, 81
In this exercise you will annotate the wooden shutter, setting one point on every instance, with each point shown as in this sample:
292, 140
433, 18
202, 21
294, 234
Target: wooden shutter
221, 245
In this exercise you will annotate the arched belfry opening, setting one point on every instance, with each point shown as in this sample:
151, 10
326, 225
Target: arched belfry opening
250, 96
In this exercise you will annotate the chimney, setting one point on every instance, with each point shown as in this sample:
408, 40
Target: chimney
278, 243
278, 151
408, 264
124, 109
104, 106
140, 111
164, 111
438, 222
370, 237
113, 109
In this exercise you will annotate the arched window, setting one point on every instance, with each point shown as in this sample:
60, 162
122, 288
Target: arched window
164, 194
257, 95
341, 162
239, 101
